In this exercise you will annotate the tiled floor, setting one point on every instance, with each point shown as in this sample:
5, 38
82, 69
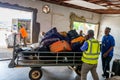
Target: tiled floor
5, 53
49, 73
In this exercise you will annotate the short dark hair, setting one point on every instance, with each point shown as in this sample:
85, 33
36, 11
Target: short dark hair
108, 28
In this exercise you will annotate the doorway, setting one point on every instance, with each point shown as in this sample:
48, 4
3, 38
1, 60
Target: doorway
9, 24
9, 20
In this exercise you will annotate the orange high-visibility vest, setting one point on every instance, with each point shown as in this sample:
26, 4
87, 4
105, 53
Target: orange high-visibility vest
23, 32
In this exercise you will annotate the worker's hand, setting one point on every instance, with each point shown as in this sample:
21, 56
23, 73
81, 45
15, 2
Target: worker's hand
105, 55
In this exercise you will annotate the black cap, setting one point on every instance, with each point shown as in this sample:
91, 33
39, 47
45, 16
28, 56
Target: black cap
90, 32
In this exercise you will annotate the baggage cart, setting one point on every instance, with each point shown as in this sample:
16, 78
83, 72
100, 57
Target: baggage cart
35, 62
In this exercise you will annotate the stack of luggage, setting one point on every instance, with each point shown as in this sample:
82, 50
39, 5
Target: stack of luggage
55, 42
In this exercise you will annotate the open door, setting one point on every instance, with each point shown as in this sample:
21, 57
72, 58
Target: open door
17, 14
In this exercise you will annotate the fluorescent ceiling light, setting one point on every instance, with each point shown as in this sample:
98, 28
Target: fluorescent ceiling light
85, 4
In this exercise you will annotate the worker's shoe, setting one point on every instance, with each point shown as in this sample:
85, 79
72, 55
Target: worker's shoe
103, 75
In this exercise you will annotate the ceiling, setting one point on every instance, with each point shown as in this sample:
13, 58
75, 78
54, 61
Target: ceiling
97, 6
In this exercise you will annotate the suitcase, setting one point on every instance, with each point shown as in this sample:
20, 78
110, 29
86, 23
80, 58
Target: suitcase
116, 67
78, 39
76, 47
60, 46
51, 31
49, 41
64, 34
43, 49
45, 53
53, 35
72, 34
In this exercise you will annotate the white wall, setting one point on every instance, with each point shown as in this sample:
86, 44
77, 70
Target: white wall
60, 14
112, 21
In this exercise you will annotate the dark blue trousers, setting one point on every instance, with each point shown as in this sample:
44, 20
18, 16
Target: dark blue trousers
106, 65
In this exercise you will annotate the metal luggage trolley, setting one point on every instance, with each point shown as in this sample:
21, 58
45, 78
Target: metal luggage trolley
37, 59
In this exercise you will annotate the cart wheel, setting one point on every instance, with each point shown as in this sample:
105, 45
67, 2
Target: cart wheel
78, 70
35, 74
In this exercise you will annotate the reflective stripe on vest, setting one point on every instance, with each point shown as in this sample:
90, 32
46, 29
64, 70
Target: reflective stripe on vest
91, 55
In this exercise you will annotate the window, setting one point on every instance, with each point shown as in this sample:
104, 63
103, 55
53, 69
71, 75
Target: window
79, 23
85, 27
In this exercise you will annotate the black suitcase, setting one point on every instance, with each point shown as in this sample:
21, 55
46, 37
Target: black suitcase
45, 53
116, 68
76, 46
72, 34
51, 31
